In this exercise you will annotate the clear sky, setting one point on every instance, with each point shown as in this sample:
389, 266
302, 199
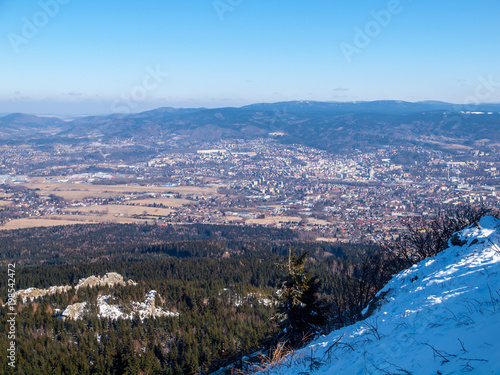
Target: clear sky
89, 56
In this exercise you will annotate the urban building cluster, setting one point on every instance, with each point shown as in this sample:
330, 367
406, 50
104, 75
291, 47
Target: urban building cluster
353, 197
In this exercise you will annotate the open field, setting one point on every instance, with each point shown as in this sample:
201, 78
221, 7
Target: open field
271, 220
233, 219
110, 210
137, 209
57, 220
78, 191
167, 202
332, 240
38, 222
314, 221
447, 143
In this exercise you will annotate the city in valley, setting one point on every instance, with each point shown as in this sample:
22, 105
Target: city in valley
231, 187
354, 197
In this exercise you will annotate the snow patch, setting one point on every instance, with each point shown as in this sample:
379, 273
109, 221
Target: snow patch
146, 309
448, 324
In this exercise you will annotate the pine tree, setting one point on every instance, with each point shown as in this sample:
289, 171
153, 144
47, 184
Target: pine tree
300, 311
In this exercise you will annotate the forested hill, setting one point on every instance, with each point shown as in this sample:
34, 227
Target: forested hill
332, 126
80, 243
213, 290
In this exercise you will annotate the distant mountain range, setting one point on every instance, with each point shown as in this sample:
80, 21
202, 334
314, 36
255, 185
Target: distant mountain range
327, 125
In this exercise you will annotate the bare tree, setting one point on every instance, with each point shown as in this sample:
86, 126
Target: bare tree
426, 239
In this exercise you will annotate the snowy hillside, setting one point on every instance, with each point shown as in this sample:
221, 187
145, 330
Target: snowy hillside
441, 316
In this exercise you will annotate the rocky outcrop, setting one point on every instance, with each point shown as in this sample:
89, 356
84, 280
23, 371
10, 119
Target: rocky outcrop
33, 293
106, 310
146, 309
110, 279
75, 311
89, 282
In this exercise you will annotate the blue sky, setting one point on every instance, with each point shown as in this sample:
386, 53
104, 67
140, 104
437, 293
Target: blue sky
84, 57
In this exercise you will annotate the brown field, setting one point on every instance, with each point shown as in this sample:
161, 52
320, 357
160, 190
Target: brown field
274, 220
104, 213
318, 221
448, 145
167, 202
482, 142
332, 240
455, 146
36, 222
325, 239
57, 220
79, 191
103, 219
232, 219
110, 210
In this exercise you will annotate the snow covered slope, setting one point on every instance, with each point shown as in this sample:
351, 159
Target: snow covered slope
441, 316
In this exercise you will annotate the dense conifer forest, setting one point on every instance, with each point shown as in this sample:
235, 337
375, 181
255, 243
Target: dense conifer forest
236, 290
222, 281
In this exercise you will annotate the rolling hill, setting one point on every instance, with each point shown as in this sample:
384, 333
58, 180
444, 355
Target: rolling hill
332, 126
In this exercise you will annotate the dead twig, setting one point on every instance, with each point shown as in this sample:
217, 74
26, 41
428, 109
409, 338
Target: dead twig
440, 353
334, 344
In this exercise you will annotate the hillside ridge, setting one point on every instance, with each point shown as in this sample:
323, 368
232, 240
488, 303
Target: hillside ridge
332, 126
441, 316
